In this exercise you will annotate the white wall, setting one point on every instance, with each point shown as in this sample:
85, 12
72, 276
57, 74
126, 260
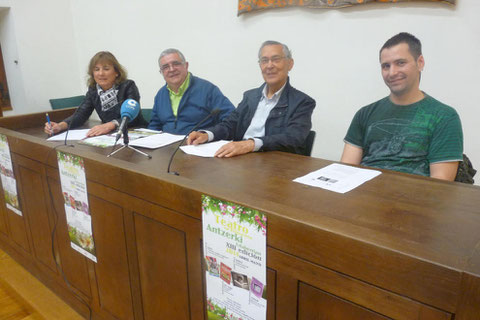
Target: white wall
335, 51
39, 36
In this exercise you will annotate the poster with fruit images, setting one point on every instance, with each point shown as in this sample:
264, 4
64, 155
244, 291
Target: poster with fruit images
235, 244
9, 183
74, 190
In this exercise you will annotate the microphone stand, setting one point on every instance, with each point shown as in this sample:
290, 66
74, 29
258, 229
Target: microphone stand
211, 114
126, 145
68, 127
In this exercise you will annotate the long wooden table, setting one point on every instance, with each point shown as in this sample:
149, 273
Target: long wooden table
399, 246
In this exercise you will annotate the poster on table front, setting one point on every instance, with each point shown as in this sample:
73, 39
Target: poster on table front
9, 183
234, 239
74, 190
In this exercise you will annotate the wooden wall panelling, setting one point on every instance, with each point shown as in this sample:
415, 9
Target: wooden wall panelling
35, 196
128, 218
191, 234
195, 269
347, 250
271, 294
33, 119
316, 304
3, 214
286, 295
111, 269
73, 264
163, 269
406, 275
16, 223
470, 299
370, 297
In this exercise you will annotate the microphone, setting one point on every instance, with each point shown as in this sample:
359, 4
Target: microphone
214, 112
129, 111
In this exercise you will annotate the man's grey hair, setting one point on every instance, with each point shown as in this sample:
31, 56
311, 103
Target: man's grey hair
170, 51
286, 51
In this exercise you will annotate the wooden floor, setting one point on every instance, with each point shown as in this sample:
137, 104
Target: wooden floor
23, 297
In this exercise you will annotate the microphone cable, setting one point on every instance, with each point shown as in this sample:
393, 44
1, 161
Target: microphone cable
68, 128
211, 114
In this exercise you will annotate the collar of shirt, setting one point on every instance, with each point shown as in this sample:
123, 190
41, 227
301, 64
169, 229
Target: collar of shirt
182, 88
276, 95
101, 91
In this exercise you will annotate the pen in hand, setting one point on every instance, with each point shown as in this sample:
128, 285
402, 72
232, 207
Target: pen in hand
49, 123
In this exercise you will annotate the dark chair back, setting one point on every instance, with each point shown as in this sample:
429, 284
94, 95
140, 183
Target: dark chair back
63, 103
309, 143
147, 114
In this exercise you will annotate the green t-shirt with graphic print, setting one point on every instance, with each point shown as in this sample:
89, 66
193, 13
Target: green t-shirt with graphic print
407, 138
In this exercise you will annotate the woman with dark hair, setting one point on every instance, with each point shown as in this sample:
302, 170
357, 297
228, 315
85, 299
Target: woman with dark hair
108, 88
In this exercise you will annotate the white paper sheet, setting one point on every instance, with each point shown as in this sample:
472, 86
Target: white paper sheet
156, 140
72, 135
338, 177
147, 130
204, 150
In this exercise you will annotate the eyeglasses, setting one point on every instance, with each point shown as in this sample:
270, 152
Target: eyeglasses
275, 60
173, 65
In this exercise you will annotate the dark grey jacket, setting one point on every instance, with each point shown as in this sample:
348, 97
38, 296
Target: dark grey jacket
287, 125
126, 90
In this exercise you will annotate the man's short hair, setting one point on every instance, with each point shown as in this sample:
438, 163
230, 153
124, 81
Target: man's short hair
286, 51
414, 45
171, 51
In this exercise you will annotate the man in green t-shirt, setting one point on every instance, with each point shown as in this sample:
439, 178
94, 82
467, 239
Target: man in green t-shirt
408, 131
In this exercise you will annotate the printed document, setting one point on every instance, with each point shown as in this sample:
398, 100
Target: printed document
204, 150
78, 134
338, 177
156, 140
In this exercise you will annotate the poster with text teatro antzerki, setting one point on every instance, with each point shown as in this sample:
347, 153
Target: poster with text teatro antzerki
9, 183
74, 189
235, 240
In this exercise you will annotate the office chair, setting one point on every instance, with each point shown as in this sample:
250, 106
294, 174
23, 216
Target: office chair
63, 103
147, 114
309, 143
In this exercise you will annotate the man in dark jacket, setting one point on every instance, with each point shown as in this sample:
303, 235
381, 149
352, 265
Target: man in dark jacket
274, 116
185, 99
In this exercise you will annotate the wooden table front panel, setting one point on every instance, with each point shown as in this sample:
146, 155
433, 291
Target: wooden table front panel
372, 253
163, 269
332, 291
74, 265
17, 224
35, 197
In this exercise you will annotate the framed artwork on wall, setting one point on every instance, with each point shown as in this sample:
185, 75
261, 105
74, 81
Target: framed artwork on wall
245, 6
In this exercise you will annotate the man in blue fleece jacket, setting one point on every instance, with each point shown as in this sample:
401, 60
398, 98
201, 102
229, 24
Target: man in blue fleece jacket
185, 99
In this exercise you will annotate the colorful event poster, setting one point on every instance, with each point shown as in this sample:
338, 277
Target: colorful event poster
74, 189
9, 183
235, 244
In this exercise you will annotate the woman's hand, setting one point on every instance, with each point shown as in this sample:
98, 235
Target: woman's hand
101, 129
54, 128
